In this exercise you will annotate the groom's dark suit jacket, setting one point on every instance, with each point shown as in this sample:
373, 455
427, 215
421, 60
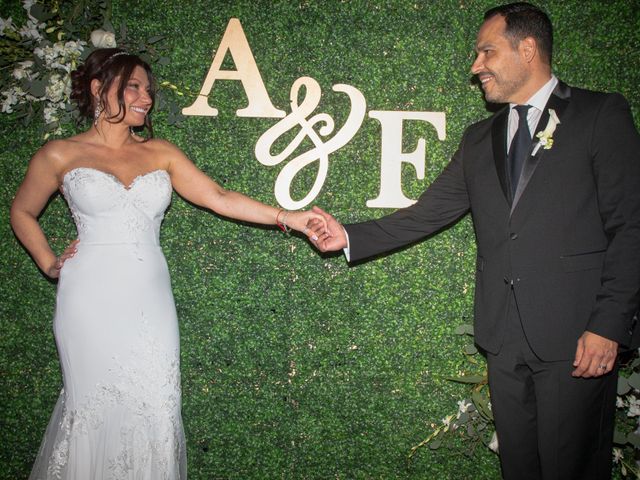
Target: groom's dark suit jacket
568, 243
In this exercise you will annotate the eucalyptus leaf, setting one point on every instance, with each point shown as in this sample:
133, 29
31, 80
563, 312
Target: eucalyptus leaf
464, 329
50, 127
634, 380
470, 349
623, 385
37, 88
123, 31
471, 379
634, 439
619, 438
435, 444
39, 12
155, 39
108, 26
482, 404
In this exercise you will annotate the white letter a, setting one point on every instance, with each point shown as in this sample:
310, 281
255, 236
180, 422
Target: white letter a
235, 41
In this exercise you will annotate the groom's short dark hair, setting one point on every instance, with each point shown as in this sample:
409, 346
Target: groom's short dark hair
526, 20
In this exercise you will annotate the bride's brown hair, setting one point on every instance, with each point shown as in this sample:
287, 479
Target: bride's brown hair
108, 65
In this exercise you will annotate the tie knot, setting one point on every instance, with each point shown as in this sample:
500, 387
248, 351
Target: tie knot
522, 110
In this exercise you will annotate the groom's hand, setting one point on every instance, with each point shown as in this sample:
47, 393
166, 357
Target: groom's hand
331, 238
595, 355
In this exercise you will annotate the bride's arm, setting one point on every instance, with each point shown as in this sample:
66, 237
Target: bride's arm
40, 182
192, 184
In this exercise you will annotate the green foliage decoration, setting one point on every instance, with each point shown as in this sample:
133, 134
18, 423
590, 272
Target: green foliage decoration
296, 365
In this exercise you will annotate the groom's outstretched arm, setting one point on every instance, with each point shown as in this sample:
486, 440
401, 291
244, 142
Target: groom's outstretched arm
442, 203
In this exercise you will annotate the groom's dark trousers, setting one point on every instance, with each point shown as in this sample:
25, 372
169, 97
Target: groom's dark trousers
559, 257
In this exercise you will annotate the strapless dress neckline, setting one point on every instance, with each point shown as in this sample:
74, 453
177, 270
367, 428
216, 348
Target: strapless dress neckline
115, 178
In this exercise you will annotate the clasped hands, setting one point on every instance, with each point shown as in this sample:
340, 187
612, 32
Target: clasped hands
330, 236
595, 355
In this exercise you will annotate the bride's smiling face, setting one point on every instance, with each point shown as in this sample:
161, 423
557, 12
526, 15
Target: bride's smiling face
136, 96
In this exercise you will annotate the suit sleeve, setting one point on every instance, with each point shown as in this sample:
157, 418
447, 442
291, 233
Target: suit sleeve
444, 201
615, 151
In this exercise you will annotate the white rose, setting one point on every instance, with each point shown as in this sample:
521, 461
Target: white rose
103, 39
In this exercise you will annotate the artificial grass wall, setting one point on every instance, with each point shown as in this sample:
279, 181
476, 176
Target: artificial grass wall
295, 365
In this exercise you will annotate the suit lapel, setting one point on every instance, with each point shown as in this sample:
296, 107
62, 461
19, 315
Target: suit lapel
499, 144
558, 101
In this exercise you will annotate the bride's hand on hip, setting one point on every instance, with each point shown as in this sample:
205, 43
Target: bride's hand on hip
54, 270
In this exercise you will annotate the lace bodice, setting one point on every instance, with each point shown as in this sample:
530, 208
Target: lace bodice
106, 211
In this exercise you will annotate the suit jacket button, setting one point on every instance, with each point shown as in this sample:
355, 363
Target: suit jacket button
513, 236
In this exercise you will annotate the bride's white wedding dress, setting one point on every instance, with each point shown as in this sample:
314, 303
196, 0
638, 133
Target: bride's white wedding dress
118, 415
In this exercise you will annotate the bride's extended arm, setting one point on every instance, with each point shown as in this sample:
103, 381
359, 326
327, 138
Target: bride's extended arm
195, 186
39, 184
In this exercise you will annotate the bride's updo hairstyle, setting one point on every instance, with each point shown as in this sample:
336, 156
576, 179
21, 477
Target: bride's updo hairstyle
108, 65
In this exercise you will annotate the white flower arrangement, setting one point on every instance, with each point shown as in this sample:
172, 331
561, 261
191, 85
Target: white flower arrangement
41, 54
40, 82
545, 137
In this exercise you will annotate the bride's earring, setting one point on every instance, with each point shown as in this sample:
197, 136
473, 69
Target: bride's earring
97, 112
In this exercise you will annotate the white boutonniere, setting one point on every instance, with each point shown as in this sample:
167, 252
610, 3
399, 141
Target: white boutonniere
545, 137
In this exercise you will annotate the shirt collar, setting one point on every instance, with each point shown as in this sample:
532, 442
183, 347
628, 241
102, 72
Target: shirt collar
541, 97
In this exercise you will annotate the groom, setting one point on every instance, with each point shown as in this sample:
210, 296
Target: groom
552, 182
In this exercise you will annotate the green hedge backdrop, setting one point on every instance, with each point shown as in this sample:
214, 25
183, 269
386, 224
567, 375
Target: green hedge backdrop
295, 365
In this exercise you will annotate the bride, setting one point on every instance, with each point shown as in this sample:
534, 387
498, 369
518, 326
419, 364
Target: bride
118, 415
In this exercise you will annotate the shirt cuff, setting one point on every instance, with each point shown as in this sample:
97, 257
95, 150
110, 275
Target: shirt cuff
346, 251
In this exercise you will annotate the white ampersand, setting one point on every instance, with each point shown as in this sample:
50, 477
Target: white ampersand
321, 150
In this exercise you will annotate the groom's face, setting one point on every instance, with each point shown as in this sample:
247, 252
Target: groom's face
500, 67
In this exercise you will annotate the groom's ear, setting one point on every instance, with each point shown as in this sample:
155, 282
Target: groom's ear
528, 49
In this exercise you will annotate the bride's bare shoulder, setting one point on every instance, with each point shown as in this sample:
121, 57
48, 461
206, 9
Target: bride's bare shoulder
56, 154
161, 145
163, 149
